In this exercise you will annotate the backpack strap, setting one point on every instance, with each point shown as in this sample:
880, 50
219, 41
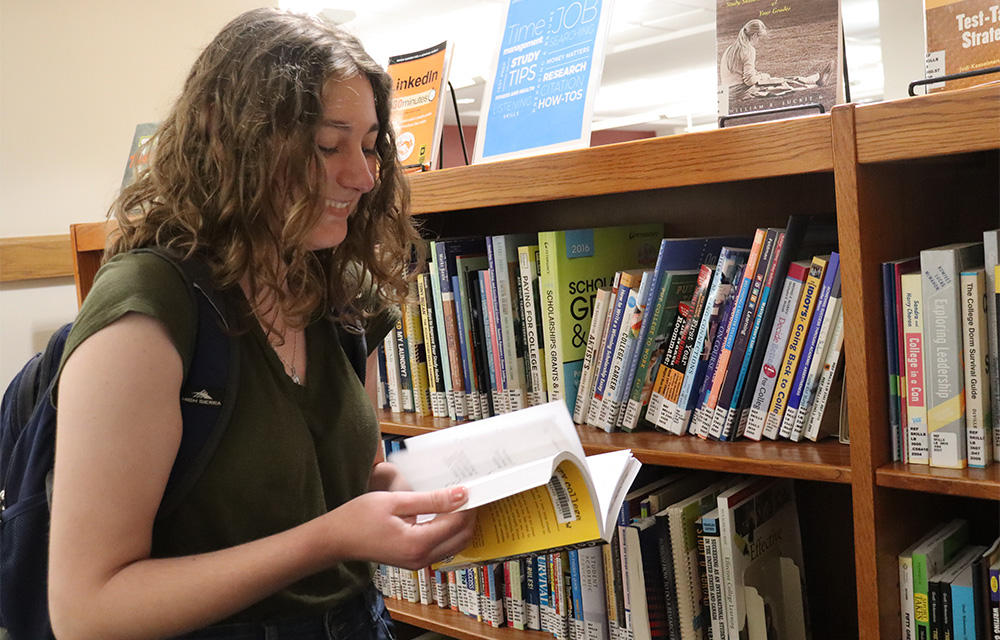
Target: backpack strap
208, 393
355, 347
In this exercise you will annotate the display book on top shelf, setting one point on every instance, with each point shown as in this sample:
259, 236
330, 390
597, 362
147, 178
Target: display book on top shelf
874, 135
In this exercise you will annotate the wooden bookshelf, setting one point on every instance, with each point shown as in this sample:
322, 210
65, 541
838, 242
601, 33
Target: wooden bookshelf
897, 177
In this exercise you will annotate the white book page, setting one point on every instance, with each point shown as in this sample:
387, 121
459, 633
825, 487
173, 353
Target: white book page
458, 455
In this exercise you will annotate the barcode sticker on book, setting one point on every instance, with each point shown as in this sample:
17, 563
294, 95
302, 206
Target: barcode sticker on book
560, 498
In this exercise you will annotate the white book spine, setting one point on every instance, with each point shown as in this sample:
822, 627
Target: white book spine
826, 379
775, 348
623, 384
914, 380
991, 249
979, 424
941, 269
597, 323
533, 349
392, 372
816, 369
906, 609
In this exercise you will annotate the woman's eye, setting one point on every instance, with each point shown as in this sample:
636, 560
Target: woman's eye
369, 152
326, 150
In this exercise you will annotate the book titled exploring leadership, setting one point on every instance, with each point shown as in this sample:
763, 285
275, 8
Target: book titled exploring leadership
527, 475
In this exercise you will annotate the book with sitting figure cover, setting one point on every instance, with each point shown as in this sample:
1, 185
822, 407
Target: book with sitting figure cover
778, 55
527, 475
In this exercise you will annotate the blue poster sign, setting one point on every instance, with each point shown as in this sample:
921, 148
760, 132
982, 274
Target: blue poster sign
546, 73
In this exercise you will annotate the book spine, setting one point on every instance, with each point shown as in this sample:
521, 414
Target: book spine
774, 348
979, 422
547, 279
941, 269
479, 342
615, 322
598, 321
724, 422
394, 387
601, 351
611, 403
818, 360
668, 574
626, 373
813, 427
761, 327
532, 619
405, 381
991, 250
917, 440
808, 349
595, 614
906, 614
439, 403
576, 592
657, 411
439, 269
715, 580
484, 302
504, 260
528, 264
701, 416
417, 355
381, 391
495, 336
449, 313
530, 397
796, 339
544, 603
743, 293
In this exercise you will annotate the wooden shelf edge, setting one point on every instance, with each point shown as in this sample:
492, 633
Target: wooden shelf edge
707, 157
969, 482
827, 461
938, 124
454, 624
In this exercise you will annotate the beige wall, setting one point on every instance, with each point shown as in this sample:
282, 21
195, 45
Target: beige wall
75, 78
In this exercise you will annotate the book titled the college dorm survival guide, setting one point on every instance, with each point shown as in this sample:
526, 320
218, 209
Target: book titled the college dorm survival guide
527, 475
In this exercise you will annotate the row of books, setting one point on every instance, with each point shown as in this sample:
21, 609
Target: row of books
942, 339
719, 337
948, 586
695, 555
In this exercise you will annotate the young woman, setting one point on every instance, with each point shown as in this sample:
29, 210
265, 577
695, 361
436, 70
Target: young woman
738, 68
275, 168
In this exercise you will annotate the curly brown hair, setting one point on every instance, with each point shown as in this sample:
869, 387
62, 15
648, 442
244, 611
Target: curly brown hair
235, 176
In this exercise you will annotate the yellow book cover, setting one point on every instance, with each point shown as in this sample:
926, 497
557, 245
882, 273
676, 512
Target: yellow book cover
528, 477
419, 81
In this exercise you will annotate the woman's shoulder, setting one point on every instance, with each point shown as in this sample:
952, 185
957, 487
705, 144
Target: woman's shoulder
139, 282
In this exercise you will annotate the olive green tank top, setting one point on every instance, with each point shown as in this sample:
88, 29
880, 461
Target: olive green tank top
289, 454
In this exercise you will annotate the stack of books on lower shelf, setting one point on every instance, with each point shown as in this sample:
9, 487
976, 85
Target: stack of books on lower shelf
942, 337
948, 585
688, 554
718, 337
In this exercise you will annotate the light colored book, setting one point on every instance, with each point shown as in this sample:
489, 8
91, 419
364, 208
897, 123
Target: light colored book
762, 560
817, 428
929, 557
793, 350
527, 257
914, 380
978, 418
615, 347
435, 378
816, 328
834, 309
960, 38
775, 347
599, 318
504, 267
602, 351
635, 309
419, 79
416, 353
991, 255
941, 268
529, 463
574, 264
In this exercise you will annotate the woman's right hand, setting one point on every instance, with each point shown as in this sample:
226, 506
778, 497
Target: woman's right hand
381, 527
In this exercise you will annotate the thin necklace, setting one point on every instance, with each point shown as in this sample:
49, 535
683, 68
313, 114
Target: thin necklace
291, 365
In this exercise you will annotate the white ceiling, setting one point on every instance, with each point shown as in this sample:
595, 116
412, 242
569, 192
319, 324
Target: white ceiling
654, 47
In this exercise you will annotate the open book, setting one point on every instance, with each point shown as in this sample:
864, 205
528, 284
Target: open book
527, 474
